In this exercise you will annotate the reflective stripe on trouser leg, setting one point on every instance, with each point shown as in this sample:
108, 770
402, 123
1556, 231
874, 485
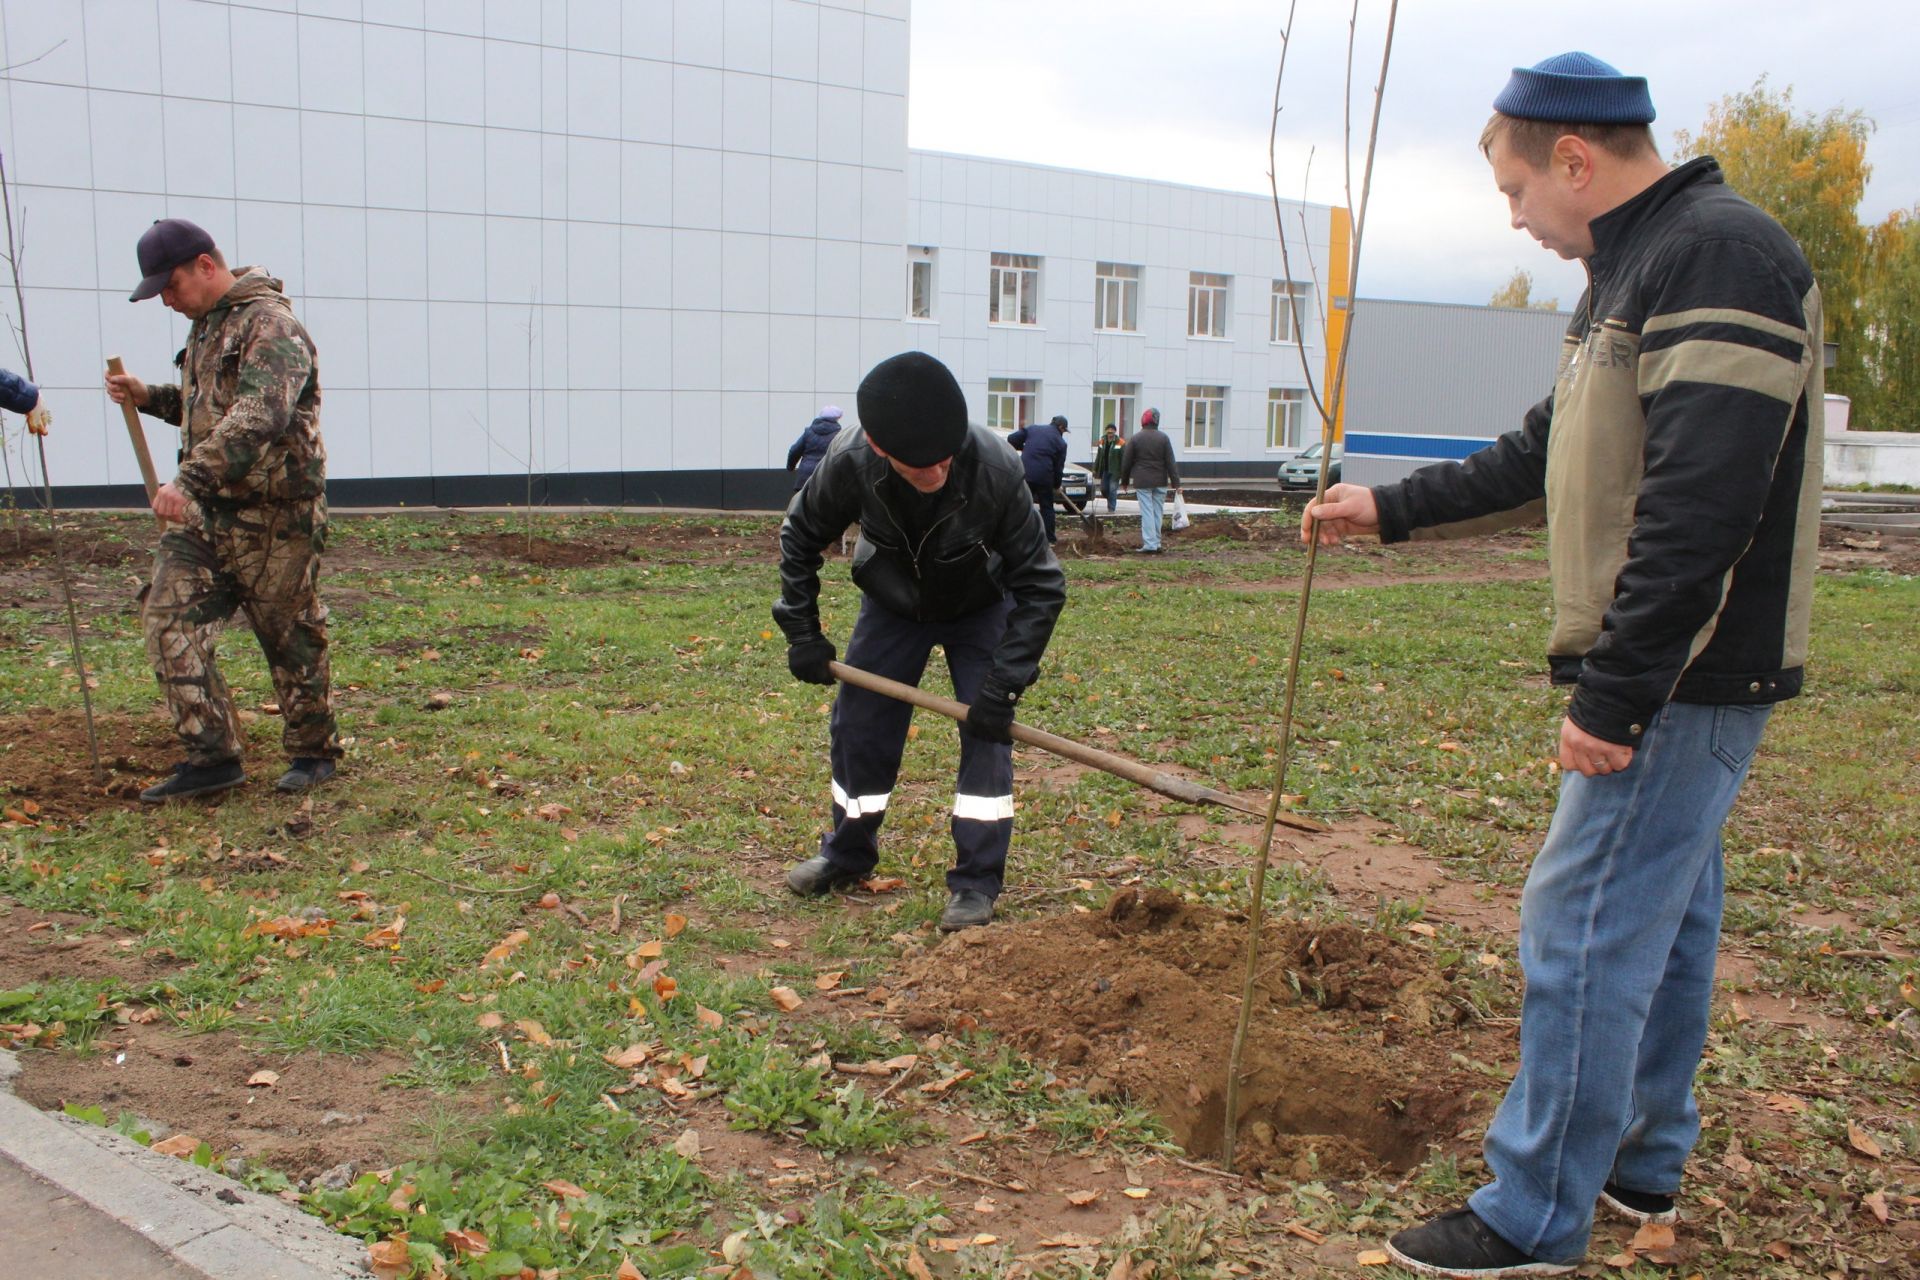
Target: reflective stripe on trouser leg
983, 793
869, 732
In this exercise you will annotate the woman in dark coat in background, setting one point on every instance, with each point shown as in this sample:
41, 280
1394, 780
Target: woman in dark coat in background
807, 451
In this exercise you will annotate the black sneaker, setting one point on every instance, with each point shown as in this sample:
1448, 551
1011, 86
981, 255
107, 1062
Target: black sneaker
305, 773
195, 780
966, 908
1459, 1244
1639, 1206
816, 877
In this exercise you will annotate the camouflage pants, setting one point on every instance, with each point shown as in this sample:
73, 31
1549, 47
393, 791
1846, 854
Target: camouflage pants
264, 562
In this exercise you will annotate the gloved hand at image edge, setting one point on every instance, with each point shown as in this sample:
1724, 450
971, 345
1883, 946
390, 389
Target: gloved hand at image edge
807, 659
990, 717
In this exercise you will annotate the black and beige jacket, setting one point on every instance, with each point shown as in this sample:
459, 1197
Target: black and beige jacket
979, 541
1679, 457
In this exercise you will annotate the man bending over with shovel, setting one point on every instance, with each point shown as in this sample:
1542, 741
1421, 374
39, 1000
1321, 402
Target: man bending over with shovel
951, 553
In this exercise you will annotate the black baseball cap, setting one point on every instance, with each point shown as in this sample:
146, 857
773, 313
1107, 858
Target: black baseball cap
168, 243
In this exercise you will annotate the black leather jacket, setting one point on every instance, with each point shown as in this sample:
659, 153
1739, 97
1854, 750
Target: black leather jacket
985, 541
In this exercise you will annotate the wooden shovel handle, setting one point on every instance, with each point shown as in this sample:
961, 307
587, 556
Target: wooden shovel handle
138, 436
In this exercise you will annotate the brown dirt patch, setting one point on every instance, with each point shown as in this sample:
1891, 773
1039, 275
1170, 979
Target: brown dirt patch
325, 1110
1343, 1072
623, 542
43, 946
1851, 550
43, 758
84, 542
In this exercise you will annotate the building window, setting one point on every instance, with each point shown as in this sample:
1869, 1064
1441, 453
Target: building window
1286, 411
1013, 294
1010, 402
920, 281
1113, 407
1206, 305
1284, 294
1116, 297
1206, 416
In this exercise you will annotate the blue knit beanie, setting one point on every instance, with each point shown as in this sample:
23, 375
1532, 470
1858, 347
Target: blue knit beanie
1575, 88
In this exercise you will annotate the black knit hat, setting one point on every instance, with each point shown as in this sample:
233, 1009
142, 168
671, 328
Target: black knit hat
911, 406
1575, 88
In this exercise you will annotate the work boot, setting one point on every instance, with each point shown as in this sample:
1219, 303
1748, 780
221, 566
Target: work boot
195, 780
817, 877
304, 773
965, 909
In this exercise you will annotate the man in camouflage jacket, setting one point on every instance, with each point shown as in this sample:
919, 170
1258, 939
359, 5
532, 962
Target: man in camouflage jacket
249, 510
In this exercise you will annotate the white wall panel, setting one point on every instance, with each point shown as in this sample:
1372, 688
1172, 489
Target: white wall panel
593, 430
333, 158
269, 236
593, 265
746, 112
125, 37
330, 65
512, 173
396, 164
593, 95
194, 56
346, 429
50, 137
646, 348
513, 84
694, 427
266, 152
456, 257
402, 443
53, 228
456, 79
393, 69
338, 327
513, 261
457, 344
593, 347
264, 46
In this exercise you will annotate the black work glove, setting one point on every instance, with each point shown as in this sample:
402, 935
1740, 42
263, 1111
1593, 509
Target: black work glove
807, 659
990, 718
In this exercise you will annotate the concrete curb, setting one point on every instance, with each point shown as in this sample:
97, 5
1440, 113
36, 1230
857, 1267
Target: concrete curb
207, 1223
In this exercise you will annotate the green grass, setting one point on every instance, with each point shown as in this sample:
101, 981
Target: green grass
626, 732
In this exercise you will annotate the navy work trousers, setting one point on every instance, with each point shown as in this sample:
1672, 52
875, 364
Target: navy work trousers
870, 731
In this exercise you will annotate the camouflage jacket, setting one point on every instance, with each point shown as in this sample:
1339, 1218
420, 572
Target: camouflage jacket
250, 435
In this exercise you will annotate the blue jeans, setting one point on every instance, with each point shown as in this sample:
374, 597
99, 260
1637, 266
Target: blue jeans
1107, 486
1619, 925
1152, 503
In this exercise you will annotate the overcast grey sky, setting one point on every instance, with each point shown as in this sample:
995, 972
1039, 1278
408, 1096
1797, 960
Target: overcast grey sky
1183, 91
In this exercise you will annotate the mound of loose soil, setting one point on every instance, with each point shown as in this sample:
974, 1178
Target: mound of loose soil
43, 758
1343, 1072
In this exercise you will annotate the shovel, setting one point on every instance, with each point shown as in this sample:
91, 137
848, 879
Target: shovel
1119, 766
1088, 521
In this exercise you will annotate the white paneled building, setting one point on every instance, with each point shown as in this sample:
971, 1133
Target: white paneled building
631, 245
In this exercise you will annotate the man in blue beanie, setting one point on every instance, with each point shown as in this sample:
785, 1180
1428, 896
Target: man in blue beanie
951, 553
1678, 459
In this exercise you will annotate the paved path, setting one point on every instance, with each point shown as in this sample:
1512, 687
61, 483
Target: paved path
46, 1232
